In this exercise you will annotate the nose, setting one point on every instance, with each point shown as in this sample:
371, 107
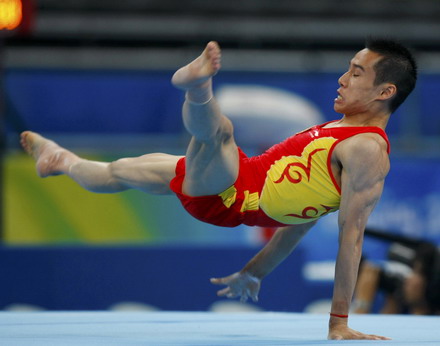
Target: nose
342, 80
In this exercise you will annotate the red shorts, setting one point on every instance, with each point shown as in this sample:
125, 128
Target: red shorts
215, 210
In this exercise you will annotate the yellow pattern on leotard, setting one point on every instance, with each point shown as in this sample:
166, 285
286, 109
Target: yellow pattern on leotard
299, 189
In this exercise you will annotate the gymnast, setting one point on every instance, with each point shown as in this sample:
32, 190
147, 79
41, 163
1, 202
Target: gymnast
340, 165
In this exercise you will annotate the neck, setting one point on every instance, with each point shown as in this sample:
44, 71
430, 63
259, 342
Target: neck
377, 120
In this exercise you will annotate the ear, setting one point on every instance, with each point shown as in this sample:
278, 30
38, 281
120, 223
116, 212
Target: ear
387, 91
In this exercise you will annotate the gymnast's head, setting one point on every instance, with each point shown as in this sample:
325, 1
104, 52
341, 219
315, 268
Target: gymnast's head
396, 66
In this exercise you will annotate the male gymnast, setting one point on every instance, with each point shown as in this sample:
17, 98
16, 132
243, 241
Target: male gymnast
340, 165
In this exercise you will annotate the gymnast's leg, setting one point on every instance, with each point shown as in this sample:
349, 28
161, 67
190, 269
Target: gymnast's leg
150, 173
212, 155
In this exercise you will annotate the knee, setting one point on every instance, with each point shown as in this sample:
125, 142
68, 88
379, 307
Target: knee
118, 167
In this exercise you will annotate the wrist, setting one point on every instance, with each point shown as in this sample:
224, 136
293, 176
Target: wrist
339, 308
338, 319
250, 275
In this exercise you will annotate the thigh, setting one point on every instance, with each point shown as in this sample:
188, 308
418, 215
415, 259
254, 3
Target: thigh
150, 173
211, 166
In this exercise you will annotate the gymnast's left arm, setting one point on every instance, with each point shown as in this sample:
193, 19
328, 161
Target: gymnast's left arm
365, 164
246, 283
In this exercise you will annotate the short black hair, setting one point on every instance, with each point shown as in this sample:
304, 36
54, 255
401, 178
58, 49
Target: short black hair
397, 66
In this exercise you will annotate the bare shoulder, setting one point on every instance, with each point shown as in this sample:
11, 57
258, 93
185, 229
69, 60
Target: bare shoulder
368, 143
366, 151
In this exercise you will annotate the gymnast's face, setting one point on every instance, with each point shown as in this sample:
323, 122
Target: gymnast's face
357, 93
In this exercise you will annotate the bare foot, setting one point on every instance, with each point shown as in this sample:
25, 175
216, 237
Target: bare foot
50, 158
198, 72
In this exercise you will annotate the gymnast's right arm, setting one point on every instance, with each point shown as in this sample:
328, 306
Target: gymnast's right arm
246, 282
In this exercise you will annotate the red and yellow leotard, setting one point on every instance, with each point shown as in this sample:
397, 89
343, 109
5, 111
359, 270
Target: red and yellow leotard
290, 183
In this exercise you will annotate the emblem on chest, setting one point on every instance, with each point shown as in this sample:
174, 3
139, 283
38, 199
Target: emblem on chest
299, 188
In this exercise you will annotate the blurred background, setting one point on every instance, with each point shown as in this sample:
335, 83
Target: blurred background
94, 75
